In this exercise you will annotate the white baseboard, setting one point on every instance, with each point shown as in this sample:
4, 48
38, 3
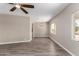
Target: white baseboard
15, 42
40, 37
62, 46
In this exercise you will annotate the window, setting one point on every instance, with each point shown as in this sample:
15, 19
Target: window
76, 26
53, 28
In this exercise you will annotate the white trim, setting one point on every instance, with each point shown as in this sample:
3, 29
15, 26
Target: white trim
15, 42
73, 27
30, 29
62, 46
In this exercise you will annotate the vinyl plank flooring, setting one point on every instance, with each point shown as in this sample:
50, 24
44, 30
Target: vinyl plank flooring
37, 47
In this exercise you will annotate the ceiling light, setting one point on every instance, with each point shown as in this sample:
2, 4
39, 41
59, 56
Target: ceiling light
18, 6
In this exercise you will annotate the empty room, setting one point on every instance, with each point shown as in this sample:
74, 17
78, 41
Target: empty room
39, 29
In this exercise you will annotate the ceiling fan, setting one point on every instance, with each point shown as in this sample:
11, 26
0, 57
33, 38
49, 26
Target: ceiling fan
21, 6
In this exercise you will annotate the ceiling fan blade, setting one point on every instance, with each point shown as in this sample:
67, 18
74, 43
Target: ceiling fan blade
24, 10
13, 9
11, 3
27, 6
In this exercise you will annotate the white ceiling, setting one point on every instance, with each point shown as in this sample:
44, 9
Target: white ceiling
41, 12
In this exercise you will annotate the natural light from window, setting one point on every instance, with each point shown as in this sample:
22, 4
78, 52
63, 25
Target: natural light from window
75, 24
76, 29
53, 28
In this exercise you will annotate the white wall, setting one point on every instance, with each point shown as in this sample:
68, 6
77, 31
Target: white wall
40, 29
64, 29
14, 29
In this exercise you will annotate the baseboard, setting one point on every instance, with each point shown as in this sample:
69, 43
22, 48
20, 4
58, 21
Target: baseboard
15, 42
62, 47
40, 37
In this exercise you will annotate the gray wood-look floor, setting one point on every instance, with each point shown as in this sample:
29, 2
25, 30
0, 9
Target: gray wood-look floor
37, 47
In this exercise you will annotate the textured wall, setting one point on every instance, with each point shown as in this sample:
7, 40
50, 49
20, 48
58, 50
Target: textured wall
14, 29
64, 29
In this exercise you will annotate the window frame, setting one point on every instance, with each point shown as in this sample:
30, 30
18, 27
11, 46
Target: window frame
54, 30
73, 27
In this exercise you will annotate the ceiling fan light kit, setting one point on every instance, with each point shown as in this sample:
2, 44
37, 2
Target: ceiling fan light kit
17, 6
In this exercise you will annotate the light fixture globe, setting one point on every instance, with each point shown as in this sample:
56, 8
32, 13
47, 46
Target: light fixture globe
17, 6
